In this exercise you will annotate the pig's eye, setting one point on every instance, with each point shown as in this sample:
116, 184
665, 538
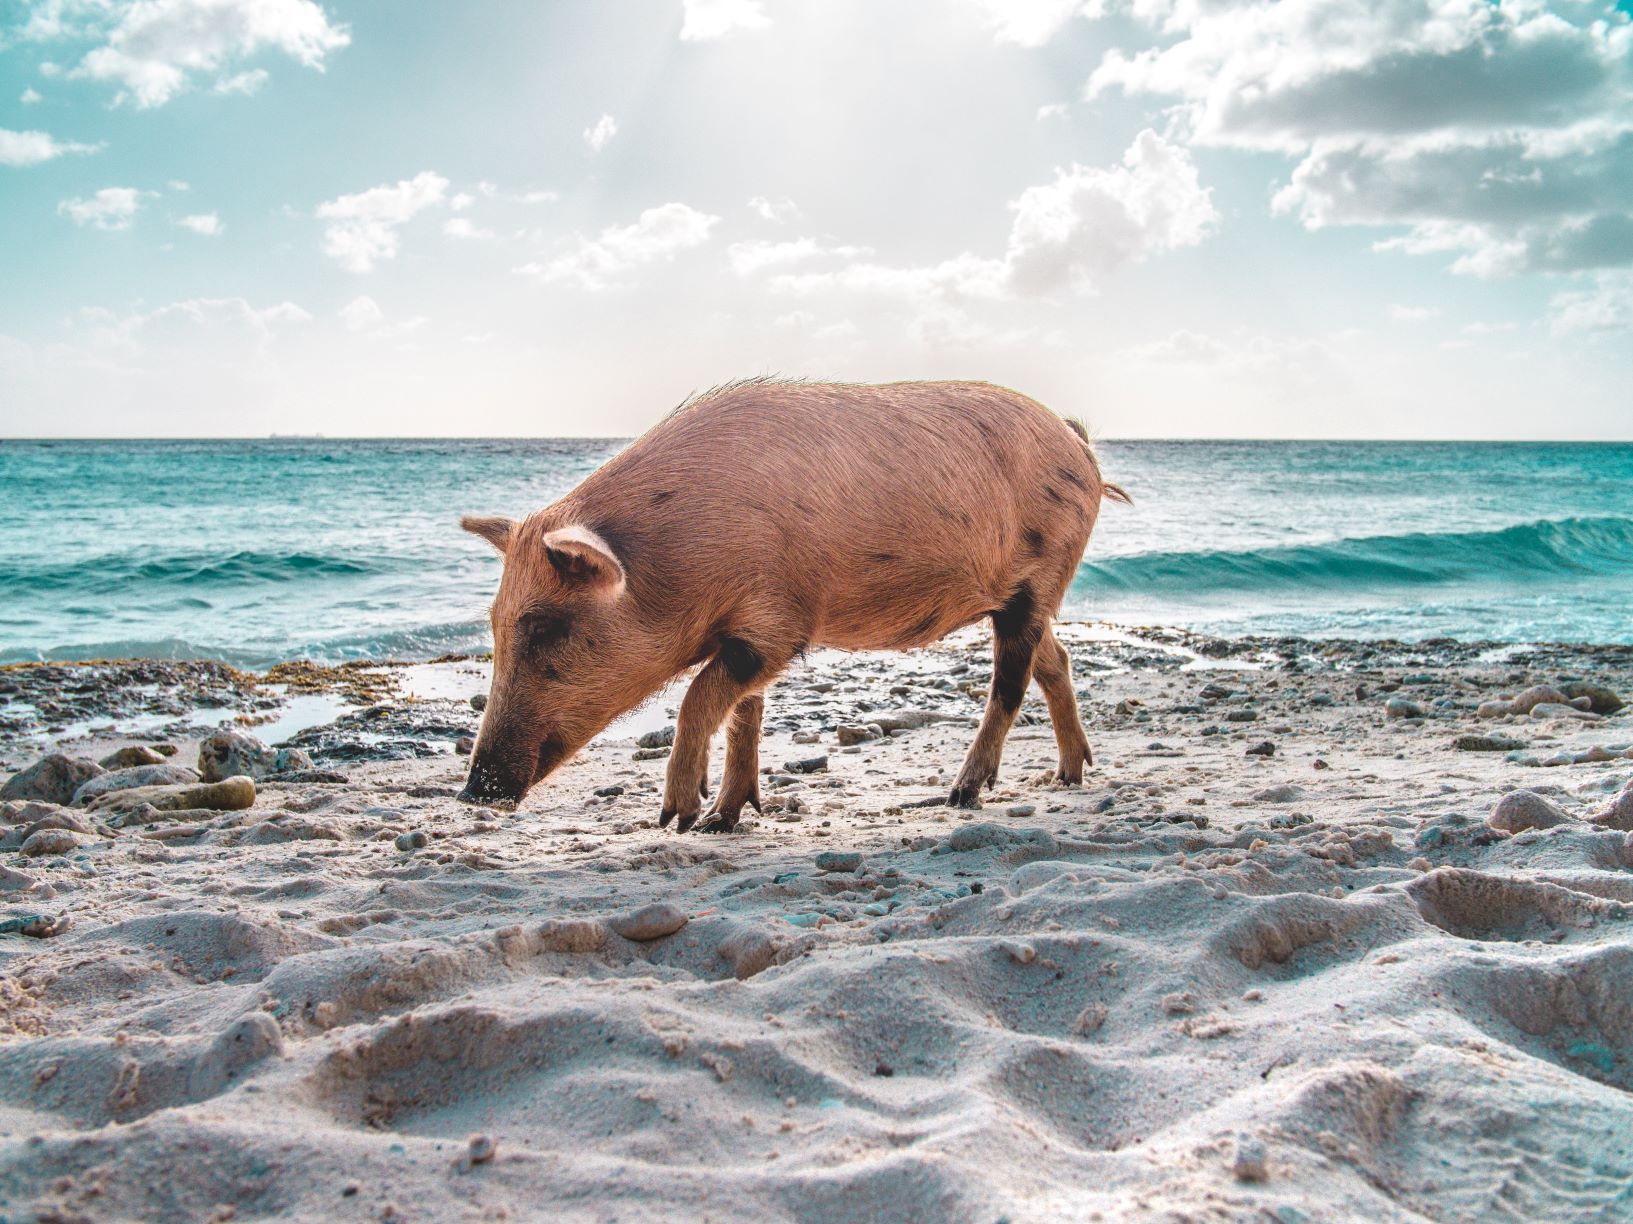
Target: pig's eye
543, 632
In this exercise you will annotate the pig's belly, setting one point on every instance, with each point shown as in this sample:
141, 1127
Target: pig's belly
900, 618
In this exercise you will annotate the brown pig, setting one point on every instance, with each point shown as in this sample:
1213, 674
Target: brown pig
764, 518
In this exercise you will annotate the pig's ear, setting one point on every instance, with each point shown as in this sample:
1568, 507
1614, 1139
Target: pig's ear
584, 561
493, 529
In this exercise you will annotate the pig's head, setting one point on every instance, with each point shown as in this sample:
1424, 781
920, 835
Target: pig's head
564, 640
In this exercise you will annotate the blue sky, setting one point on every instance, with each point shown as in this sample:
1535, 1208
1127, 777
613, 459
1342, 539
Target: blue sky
1367, 218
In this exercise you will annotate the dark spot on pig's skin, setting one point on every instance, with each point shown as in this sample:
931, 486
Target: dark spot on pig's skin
921, 630
1034, 542
741, 660
986, 431
660, 497
881, 558
1053, 494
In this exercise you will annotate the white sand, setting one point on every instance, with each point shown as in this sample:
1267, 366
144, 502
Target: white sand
1309, 1009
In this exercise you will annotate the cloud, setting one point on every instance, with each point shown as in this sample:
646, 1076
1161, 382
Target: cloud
32, 148
112, 208
229, 322
1051, 110
363, 316
707, 19
362, 229
601, 263
1499, 133
597, 136
1606, 307
1066, 235
208, 225
151, 49
241, 82
1031, 23
1413, 314
755, 256
465, 229
29, 96
779, 210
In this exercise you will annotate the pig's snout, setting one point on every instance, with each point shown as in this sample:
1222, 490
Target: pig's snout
489, 782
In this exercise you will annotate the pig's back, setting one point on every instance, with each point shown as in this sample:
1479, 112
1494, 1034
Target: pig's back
889, 514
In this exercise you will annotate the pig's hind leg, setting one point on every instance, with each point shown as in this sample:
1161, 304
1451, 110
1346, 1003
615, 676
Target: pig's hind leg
737, 671
1017, 628
740, 783
1053, 668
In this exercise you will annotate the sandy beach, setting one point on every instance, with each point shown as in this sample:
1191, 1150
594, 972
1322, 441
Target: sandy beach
1283, 957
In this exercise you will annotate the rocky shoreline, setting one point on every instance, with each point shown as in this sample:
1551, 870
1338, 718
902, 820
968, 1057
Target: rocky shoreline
1322, 913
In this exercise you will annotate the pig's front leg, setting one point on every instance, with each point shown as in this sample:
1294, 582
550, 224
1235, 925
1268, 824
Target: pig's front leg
737, 671
740, 783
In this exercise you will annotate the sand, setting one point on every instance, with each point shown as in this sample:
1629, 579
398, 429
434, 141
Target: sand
1208, 985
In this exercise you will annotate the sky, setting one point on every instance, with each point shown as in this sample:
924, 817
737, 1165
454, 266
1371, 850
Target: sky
1173, 218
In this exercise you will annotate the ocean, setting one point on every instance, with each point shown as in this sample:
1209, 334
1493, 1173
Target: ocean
254, 552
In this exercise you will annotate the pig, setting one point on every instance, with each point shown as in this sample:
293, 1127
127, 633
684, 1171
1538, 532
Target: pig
767, 517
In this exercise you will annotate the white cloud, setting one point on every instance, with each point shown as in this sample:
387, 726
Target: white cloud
603, 130
241, 82
706, 19
32, 148
230, 320
757, 255
1501, 133
152, 48
1413, 314
779, 210
364, 317
464, 228
29, 96
362, 229
1031, 23
208, 225
112, 208
1051, 110
601, 263
1606, 307
1066, 235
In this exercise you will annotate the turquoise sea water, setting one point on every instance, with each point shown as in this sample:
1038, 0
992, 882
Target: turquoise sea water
265, 550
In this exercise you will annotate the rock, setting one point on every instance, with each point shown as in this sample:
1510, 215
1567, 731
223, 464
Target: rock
839, 860
1600, 699
1522, 703
1020, 811
15, 881
1487, 743
910, 720
1251, 1163
1262, 749
1285, 793
131, 778
228, 795
609, 792
480, 1149
1557, 709
1522, 809
851, 734
1245, 714
1400, 707
464, 745
479, 702
650, 922
136, 754
1619, 815
417, 840
52, 779
664, 737
649, 754
57, 818
165, 749
809, 765
232, 754
572, 935
50, 841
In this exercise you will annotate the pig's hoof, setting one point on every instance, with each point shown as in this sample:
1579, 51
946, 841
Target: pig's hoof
965, 797
665, 816
687, 820
720, 822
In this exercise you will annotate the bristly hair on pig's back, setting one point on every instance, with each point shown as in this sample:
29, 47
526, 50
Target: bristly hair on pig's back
1114, 492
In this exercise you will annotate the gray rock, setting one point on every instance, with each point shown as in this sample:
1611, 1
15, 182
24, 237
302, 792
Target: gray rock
52, 779
1522, 809
1600, 699
50, 841
1285, 793
1251, 1163
1020, 811
416, 840
234, 754
1487, 743
664, 737
131, 778
479, 702
650, 922
1245, 714
1558, 709
227, 795
807, 766
1400, 707
839, 860
1619, 815
1263, 748
135, 754
852, 733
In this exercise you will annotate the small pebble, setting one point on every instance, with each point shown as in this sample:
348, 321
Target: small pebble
1252, 1162
482, 1148
417, 840
1020, 811
650, 922
839, 860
